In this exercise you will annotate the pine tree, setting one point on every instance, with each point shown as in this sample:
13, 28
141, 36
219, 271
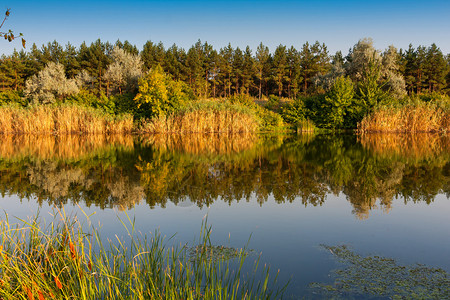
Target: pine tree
195, 63
12, 71
294, 77
214, 71
409, 67
95, 59
175, 62
435, 68
152, 55
70, 61
280, 68
314, 59
248, 71
226, 68
207, 57
262, 58
238, 62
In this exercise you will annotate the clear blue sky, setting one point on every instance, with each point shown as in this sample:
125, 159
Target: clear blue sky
338, 24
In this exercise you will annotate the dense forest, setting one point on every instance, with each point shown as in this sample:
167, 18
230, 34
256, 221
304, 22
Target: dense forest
332, 90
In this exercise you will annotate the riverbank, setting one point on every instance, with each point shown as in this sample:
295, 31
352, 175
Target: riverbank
238, 114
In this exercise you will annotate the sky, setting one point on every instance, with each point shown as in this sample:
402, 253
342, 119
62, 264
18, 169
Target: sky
338, 24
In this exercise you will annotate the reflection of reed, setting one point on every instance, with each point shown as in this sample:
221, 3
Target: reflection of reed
417, 147
203, 143
59, 146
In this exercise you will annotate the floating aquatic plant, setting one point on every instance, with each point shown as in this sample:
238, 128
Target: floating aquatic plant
375, 277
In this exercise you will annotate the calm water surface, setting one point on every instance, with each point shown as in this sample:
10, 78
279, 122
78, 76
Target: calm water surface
385, 195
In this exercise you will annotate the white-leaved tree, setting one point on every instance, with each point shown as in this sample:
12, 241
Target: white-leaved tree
124, 72
364, 56
50, 84
326, 81
391, 71
84, 78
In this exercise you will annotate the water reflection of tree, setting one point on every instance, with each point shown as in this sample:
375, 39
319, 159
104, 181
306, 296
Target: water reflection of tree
204, 169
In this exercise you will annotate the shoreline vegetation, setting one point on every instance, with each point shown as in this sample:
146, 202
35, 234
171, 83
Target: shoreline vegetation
117, 88
67, 259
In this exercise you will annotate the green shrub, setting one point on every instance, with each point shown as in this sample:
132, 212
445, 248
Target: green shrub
86, 98
10, 96
269, 120
294, 112
339, 104
124, 104
273, 103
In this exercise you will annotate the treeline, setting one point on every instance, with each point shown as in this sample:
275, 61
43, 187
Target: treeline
286, 72
332, 91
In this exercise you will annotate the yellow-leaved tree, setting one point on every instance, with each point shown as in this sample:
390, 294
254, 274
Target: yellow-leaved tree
159, 94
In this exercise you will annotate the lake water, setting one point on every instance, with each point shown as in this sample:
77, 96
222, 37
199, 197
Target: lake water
284, 196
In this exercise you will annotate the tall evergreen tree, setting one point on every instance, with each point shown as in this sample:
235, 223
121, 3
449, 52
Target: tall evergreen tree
409, 67
226, 68
207, 56
214, 71
175, 62
248, 71
195, 64
12, 72
95, 60
435, 68
294, 77
314, 59
238, 63
70, 61
152, 55
280, 68
262, 66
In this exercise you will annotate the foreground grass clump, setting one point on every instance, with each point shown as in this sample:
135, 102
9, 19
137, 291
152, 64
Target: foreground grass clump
63, 261
414, 117
205, 117
61, 119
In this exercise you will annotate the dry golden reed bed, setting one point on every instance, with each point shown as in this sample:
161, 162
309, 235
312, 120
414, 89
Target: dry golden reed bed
61, 119
202, 121
409, 118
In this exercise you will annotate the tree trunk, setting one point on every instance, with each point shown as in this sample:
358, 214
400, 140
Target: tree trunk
260, 83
